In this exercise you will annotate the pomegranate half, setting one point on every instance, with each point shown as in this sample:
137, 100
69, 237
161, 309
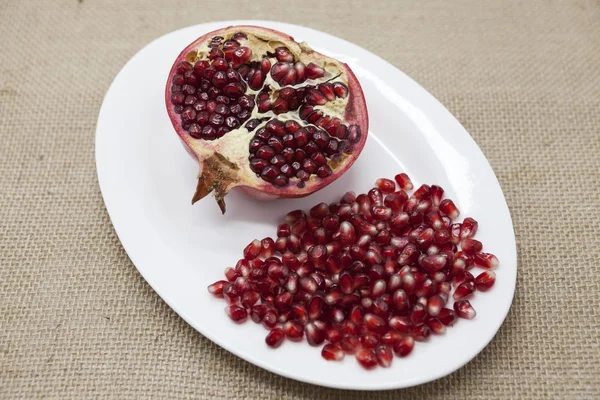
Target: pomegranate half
264, 113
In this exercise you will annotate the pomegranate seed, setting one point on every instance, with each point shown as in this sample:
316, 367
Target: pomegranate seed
447, 316
217, 288
230, 293
468, 228
385, 185
455, 233
369, 340
283, 301
236, 313
436, 326
332, 352
448, 208
314, 335
463, 291
404, 181
384, 355
391, 337
308, 284
404, 346
315, 307
464, 309
424, 191
471, 246
349, 327
349, 344
275, 338
421, 333
257, 312
375, 197
441, 236
418, 314
293, 330
334, 335
435, 305
485, 281
436, 194
249, 299
433, 263
381, 213
408, 255
268, 247
366, 358
347, 233
378, 288
253, 250
374, 323
400, 300
486, 260
231, 274
270, 319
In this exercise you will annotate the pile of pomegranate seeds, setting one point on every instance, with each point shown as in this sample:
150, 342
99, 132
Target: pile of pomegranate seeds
367, 276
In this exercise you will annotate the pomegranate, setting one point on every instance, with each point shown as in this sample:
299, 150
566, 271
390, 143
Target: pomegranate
264, 113
369, 276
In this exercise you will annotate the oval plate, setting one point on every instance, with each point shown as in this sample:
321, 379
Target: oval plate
147, 181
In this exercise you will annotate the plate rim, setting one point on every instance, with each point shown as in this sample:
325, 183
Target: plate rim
422, 92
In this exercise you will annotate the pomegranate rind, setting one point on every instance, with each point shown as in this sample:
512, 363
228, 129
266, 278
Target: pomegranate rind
220, 171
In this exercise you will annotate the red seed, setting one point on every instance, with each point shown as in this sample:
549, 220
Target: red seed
468, 228
334, 335
464, 309
349, 344
400, 300
418, 314
268, 247
455, 233
375, 323
471, 246
283, 301
369, 340
257, 312
404, 346
486, 260
315, 306
381, 213
423, 192
404, 181
435, 305
421, 333
391, 337
408, 255
378, 288
347, 233
375, 197
270, 319
275, 338
252, 250
217, 288
366, 358
436, 194
448, 208
384, 355
249, 299
308, 284
332, 352
485, 281
436, 326
293, 330
314, 335
447, 316
346, 283
236, 313
463, 291
433, 263
385, 185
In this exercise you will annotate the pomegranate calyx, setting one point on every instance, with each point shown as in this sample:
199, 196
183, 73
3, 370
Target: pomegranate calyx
217, 174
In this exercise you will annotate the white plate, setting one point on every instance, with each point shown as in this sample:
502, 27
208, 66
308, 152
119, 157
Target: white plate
147, 180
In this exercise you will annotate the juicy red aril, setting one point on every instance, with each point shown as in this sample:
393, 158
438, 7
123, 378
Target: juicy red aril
447, 316
485, 281
464, 309
275, 338
366, 358
385, 185
404, 181
293, 330
464, 290
404, 346
471, 246
332, 352
448, 208
486, 260
349, 344
236, 313
384, 355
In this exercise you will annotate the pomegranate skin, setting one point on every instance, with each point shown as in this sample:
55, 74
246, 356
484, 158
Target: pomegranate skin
224, 162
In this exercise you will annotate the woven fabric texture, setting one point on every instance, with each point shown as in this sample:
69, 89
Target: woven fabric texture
78, 321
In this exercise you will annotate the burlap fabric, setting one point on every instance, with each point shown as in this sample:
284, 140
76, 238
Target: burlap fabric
78, 321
